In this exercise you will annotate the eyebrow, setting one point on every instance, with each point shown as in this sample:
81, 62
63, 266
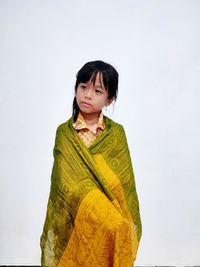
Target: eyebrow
96, 86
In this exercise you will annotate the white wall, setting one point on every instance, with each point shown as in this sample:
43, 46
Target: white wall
155, 47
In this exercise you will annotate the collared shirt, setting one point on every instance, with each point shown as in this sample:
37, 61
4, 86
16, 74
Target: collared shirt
88, 136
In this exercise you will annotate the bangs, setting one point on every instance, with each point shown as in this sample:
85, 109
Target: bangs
91, 75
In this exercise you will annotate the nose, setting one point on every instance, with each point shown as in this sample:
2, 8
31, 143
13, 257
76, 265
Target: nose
89, 93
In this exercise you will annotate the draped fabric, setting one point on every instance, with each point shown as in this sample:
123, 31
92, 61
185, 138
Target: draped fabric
92, 216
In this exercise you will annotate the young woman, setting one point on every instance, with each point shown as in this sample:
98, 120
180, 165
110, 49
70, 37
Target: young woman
93, 214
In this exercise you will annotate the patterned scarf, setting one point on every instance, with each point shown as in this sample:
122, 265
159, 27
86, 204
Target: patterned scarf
92, 216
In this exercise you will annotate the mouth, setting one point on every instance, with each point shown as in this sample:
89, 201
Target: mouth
86, 104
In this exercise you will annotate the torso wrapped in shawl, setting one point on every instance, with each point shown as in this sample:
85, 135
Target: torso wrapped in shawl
93, 215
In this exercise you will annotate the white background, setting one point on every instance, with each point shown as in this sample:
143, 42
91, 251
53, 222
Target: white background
154, 45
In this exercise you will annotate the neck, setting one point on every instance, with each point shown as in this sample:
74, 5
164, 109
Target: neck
91, 119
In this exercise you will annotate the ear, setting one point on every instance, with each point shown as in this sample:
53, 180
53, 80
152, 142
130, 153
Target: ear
109, 101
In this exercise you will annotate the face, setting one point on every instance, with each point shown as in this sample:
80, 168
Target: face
92, 97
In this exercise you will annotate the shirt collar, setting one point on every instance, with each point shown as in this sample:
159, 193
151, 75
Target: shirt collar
81, 124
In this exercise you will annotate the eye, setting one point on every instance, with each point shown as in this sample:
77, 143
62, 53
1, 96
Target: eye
98, 92
82, 86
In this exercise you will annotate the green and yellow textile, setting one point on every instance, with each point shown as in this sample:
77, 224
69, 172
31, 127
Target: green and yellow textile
93, 214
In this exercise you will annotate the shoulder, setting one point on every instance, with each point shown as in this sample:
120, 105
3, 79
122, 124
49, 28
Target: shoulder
116, 129
115, 126
62, 130
62, 127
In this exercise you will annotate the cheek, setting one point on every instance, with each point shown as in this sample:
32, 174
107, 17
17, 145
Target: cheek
77, 93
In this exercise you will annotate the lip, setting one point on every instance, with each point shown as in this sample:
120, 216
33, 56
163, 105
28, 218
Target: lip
86, 104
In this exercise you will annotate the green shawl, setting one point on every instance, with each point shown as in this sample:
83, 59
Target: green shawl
75, 173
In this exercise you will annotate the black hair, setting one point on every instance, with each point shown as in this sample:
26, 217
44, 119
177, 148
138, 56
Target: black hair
89, 72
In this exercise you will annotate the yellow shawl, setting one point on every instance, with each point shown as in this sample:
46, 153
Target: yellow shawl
92, 216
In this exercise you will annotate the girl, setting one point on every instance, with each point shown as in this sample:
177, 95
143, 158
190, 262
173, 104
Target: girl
92, 215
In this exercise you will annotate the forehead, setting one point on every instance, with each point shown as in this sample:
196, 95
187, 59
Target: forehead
96, 79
